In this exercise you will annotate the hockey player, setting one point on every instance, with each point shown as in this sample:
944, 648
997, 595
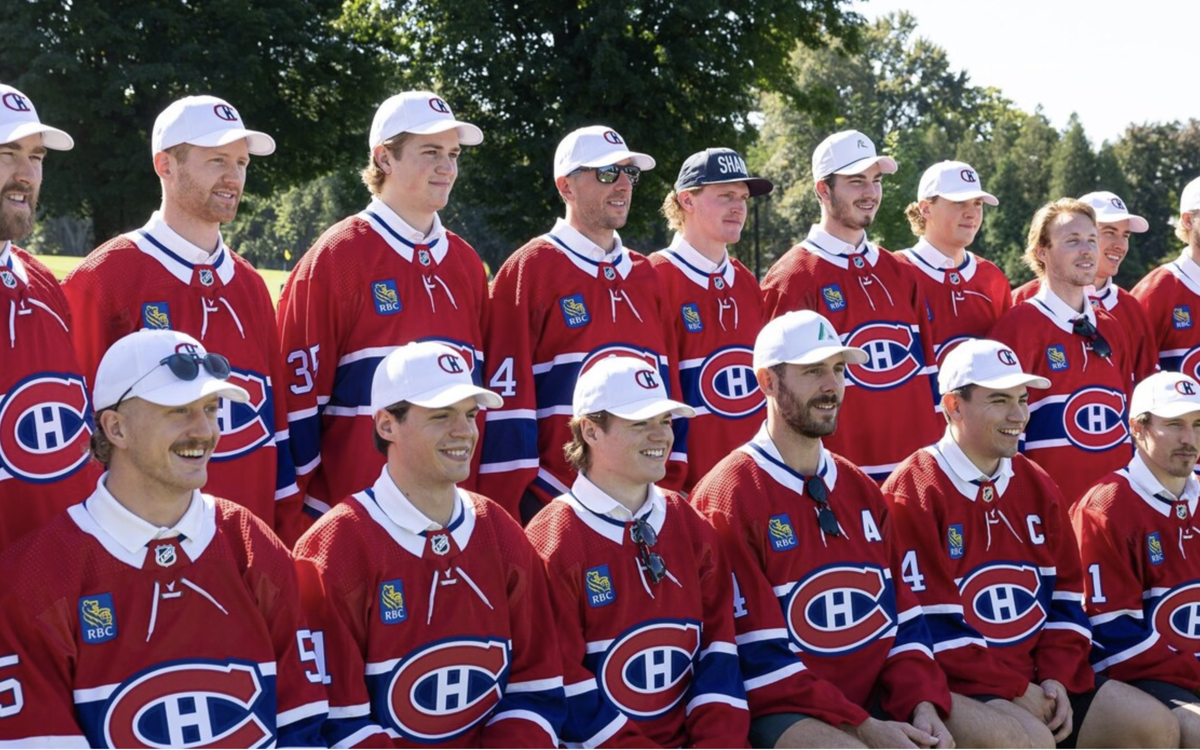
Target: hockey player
433, 604
151, 615
989, 554
565, 300
45, 413
1115, 224
870, 296
177, 273
642, 597
965, 294
1140, 547
387, 276
1077, 426
807, 535
714, 304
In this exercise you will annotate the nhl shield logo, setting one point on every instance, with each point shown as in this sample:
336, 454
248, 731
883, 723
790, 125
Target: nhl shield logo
1181, 511
206, 276
164, 555
423, 257
440, 544
610, 273
989, 493
719, 283
8, 278
955, 278
858, 261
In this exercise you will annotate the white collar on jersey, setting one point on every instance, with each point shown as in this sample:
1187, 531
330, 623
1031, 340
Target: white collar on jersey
607, 517
587, 255
1186, 270
401, 236
1147, 486
126, 535
934, 264
962, 472
9, 259
407, 525
177, 255
762, 449
1106, 295
1050, 305
836, 251
695, 266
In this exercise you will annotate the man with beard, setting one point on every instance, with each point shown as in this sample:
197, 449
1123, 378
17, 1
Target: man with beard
870, 296
1139, 540
45, 415
565, 300
176, 273
801, 525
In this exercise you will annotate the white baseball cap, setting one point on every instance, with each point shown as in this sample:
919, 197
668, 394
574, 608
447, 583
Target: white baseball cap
625, 387
801, 337
137, 366
420, 112
1189, 199
205, 121
427, 374
955, 181
848, 152
19, 119
1110, 209
595, 146
1165, 394
985, 363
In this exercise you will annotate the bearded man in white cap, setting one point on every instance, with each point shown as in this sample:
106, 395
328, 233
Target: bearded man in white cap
387, 276
150, 613
872, 298
45, 413
176, 273
566, 299
433, 605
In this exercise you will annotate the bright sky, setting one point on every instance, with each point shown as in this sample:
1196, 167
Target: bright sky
1112, 63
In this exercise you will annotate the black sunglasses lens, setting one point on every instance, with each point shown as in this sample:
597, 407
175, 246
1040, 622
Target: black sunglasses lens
608, 175
815, 487
635, 174
828, 521
655, 567
644, 533
217, 366
183, 366
1101, 346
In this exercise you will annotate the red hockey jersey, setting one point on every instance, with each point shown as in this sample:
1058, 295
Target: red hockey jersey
995, 568
45, 404
369, 285
716, 313
1170, 295
832, 598
645, 664
117, 633
153, 278
1141, 549
432, 636
558, 306
874, 302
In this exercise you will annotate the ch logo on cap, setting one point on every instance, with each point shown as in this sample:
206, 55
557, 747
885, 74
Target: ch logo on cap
191, 349
1118, 203
1007, 357
226, 112
450, 363
1186, 388
16, 102
968, 175
439, 106
612, 137
647, 379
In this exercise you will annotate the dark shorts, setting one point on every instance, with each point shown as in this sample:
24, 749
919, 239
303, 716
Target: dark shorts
1169, 694
1081, 703
765, 731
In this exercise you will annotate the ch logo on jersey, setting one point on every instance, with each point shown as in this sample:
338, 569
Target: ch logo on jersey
600, 591
97, 618
948, 346
439, 106
1154, 548
1181, 317
892, 355
612, 137
1000, 600
391, 602
841, 608
575, 312
8, 278
45, 427
954, 541
834, 299
1190, 363
386, 297
1176, 617
691, 318
781, 532
193, 704
443, 689
968, 175
619, 350
156, 316
727, 383
225, 112
16, 102
245, 427
648, 670
1093, 419
1056, 357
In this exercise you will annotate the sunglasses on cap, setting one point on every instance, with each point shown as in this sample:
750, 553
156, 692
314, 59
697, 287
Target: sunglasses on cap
644, 536
610, 174
816, 489
1084, 327
185, 366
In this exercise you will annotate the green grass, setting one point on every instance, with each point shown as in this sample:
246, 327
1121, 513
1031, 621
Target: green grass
61, 265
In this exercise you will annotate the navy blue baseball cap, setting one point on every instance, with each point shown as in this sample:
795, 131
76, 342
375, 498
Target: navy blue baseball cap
714, 166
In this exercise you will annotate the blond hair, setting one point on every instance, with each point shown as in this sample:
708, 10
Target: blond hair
673, 212
1182, 232
372, 176
577, 452
916, 220
1039, 229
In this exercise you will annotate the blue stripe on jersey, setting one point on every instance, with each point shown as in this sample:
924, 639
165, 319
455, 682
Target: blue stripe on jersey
1067, 611
507, 440
679, 426
285, 470
1120, 638
587, 714
766, 656
304, 439
352, 382
1095, 424
718, 674
339, 729
947, 628
556, 386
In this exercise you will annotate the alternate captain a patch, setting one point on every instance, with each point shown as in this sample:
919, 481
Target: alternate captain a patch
156, 316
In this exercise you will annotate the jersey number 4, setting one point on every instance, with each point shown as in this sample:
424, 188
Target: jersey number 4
503, 381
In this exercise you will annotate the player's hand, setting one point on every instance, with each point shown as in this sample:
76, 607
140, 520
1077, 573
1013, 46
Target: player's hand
876, 733
925, 719
1062, 722
1035, 702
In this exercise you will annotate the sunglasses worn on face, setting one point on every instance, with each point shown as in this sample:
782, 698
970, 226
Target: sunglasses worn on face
816, 489
610, 174
644, 536
186, 366
1084, 327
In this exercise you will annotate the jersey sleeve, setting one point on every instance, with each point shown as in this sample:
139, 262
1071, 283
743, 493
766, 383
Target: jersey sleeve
94, 328
677, 469
1066, 638
1158, 313
1144, 339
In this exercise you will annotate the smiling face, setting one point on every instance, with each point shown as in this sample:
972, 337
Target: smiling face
628, 455
1168, 446
952, 225
430, 449
853, 200
1114, 245
1070, 257
20, 183
597, 210
163, 450
987, 424
806, 398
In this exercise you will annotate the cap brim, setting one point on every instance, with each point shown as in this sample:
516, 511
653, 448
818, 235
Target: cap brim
440, 398
641, 161
970, 195
886, 163
468, 134
52, 138
756, 185
259, 144
1012, 381
1136, 223
181, 392
852, 354
1170, 411
640, 410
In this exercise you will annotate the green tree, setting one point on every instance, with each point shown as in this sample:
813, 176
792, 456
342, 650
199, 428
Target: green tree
1073, 165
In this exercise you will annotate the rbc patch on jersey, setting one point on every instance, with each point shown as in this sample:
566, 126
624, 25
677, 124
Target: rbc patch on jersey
779, 528
1154, 546
391, 602
97, 618
954, 541
156, 316
833, 297
1181, 317
1057, 357
575, 313
691, 318
600, 591
386, 298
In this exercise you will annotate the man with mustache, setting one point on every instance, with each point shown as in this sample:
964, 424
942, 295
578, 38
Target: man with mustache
151, 614
871, 297
44, 469
1139, 540
176, 273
